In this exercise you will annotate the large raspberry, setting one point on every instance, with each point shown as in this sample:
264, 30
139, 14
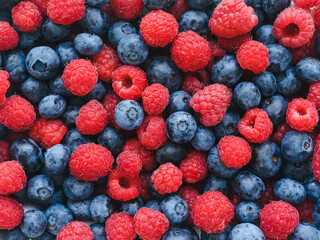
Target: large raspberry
110, 102
314, 94
129, 163
4, 85
11, 213
155, 99
12, 177
75, 231
9, 37
26, 16
127, 9
120, 226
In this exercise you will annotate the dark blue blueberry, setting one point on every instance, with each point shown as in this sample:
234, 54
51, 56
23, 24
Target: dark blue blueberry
33, 223
274, 7
131, 207
8, 4
308, 69
70, 116
248, 212
194, 234
162, 70
45, 236
74, 138
154, 205
21, 196
34, 90
57, 87
164, 5
276, 106
216, 184
88, 44
128, 115
58, 216
77, 190
171, 152
76, 100
52, 106
264, 34
1, 59
262, 16
228, 126
296, 147
198, 4
58, 179
14, 234
101, 208
312, 187
196, 21
80, 209
317, 43
217, 167
247, 95
266, 160
99, 231
178, 234
40, 188
28, 154
66, 52
305, 231
181, 127
203, 139
57, 197
53, 32
253, 3
216, 236
266, 82
14, 62
316, 213
288, 82
246, 231
132, 50
42, 62
3, 130
297, 171
155, 194
248, 186
98, 92
118, 30
95, 20
5, 15
226, 71
112, 139
179, 101
56, 158
97, 3
28, 40
175, 209
290, 191
279, 57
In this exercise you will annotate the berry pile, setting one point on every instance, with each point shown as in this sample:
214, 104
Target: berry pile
159, 119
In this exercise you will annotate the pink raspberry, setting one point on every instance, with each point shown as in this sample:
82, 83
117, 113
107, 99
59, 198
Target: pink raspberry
279, 134
9, 37
127, 9
316, 160
317, 15
233, 44
4, 151
129, 163
179, 9
314, 94
26, 16
110, 102
11, 213
217, 52
305, 3
12, 177
195, 81
189, 194
42, 6
75, 231
155, 99
120, 226
4, 85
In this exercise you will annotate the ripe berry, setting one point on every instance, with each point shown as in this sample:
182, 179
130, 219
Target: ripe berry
155, 99
12, 177
26, 16
4, 85
11, 213
75, 230
129, 163
127, 10
120, 226
10, 37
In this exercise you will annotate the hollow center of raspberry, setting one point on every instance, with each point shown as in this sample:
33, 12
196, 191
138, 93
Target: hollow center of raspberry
292, 29
302, 111
39, 66
252, 122
124, 183
127, 82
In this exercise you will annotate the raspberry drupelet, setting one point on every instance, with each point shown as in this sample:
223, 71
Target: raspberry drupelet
129, 163
26, 16
4, 85
155, 99
75, 231
12, 177
9, 37
11, 213
120, 226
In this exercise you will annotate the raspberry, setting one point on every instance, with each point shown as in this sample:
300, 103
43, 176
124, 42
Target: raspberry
191, 84
120, 226
150, 224
11, 212
129, 82
189, 194
305, 3
233, 44
212, 103
127, 9
4, 151
314, 94
17, 114
9, 37
129, 163
14, 136
65, 11
42, 6
278, 219
302, 115
232, 18
212, 211
158, 28
75, 231
92, 118
155, 99
190, 51
26, 16
179, 9
255, 126
268, 195
79, 77
167, 178
194, 167
216, 53
90, 161
12, 177
112, 16
106, 61
234, 152
305, 210
279, 134
110, 102
316, 160
4, 85
145, 193
47, 132
122, 187
317, 15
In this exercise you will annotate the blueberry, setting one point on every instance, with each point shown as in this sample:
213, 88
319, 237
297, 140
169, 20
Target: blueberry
198, 4
248, 212
56, 158
70, 116
297, 171
74, 138
203, 139
247, 95
178, 234
216, 236
253, 3
53, 32
226, 71
98, 92
216, 184
154, 205
131, 207
312, 187
77, 190
264, 34
228, 126
57, 197
80, 209
5, 15
3, 131
95, 20
266, 82
45, 236
14, 234
66, 52
8, 4
248, 186
58, 216
112, 139
276, 107
22, 196
99, 231
175, 209
52, 106
305, 231
40, 188
308, 69
57, 87
171, 152
164, 5
97, 3
119, 30
59, 178
1, 60
28, 40
34, 90
76, 100
101, 208
274, 7
196, 21
128, 115
14, 62
290, 191
279, 57
28, 154
194, 234
246, 231
88, 44
317, 43
288, 82
33, 223
179, 101
42, 62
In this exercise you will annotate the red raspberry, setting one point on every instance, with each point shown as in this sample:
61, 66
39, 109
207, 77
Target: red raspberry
122, 187
316, 160
232, 18
65, 11
305, 3
42, 6
150, 224
14, 136
127, 9
12, 177
11, 212
191, 84
145, 193
302, 115
189, 194
47, 132
233, 44
194, 167
167, 178
314, 94
179, 9
148, 158
216, 53
4, 85
190, 51
158, 28
106, 61
9, 37
268, 195
305, 210
79, 77
129, 82
155, 99
255, 126
235, 152
212, 211
17, 114
120, 226
129, 163
90, 161
110, 102
26, 16
92, 118
75, 231
279, 134
112, 16
278, 219
212, 103
152, 133
4, 151
317, 15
